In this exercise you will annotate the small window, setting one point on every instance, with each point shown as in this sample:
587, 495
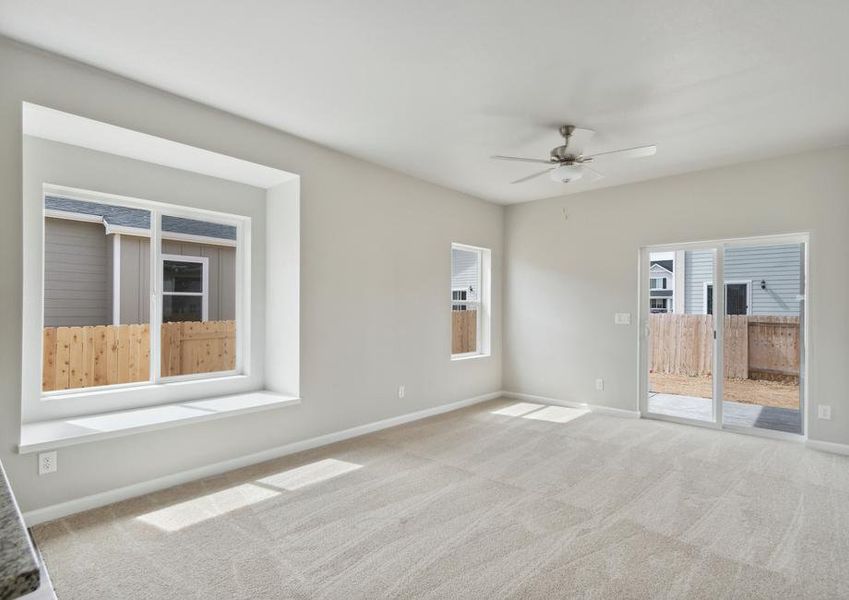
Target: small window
185, 288
659, 305
470, 268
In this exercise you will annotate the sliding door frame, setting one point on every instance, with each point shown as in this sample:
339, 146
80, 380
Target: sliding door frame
718, 248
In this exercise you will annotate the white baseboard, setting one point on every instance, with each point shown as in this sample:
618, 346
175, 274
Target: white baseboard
616, 412
57, 511
832, 447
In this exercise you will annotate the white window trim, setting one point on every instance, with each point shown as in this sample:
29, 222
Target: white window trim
40, 406
483, 303
204, 293
747, 282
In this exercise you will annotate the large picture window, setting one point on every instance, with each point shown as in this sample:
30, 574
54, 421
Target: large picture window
138, 292
470, 275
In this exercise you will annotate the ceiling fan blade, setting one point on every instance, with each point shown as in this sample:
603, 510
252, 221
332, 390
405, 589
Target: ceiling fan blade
637, 152
521, 159
527, 177
594, 175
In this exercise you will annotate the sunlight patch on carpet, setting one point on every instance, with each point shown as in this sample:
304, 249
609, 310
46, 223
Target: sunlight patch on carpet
316, 472
556, 414
517, 410
194, 511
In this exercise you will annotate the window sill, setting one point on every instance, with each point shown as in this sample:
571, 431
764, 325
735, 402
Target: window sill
470, 356
49, 435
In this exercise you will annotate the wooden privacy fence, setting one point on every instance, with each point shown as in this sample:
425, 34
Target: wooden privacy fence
464, 331
198, 347
79, 357
756, 346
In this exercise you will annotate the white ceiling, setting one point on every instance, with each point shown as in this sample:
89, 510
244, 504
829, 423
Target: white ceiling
434, 88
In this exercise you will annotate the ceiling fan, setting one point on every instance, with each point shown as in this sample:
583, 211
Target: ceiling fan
565, 165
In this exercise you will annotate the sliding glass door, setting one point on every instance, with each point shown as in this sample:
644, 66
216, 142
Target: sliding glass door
680, 341
749, 328
763, 336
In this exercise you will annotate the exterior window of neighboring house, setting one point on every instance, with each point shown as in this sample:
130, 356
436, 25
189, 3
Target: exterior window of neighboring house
736, 298
470, 296
458, 295
658, 283
659, 305
139, 292
185, 288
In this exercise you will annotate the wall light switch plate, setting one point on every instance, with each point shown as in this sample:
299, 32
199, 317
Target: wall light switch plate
824, 411
622, 318
47, 463
402, 391
599, 385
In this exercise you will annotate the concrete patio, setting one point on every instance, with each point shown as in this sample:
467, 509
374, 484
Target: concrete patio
733, 413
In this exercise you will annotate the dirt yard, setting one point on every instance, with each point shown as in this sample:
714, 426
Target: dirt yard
746, 391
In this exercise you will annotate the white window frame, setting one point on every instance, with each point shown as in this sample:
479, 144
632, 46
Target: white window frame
482, 304
38, 405
204, 293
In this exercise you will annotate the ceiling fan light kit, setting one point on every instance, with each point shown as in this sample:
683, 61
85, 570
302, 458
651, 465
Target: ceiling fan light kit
567, 166
567, 172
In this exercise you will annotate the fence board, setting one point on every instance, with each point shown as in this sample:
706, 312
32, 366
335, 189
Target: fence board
80, 357
99, 376
63, 357
48, 359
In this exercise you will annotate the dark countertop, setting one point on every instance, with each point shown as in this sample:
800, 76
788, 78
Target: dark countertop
19, 568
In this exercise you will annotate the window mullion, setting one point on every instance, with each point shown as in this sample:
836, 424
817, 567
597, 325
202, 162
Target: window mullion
156, 296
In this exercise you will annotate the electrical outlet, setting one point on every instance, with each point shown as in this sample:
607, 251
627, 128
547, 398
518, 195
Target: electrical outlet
47, 463
402, 391
599, 385
824, 411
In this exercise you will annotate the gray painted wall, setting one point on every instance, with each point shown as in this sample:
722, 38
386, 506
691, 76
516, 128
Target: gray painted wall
76, 289
583, 270
779, 266
370, 319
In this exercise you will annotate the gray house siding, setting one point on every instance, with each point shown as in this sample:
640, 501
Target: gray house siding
135, 280
464, 273
75, 274
78, 275
780, 267
135, 294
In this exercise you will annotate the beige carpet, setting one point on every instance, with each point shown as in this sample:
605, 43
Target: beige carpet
501, 500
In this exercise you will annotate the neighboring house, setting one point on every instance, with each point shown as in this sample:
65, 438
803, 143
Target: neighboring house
760, 280
661, 286
465, 274
97, 266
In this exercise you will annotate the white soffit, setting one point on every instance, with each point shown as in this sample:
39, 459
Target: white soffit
58, 126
